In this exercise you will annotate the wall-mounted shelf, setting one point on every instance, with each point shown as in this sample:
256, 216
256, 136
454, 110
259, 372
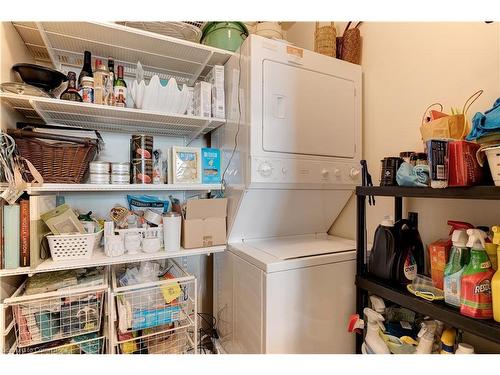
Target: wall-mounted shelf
105, 118
100, 259
63, 43
101, 188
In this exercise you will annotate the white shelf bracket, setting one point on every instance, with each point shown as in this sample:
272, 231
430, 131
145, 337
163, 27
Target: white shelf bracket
200, 69
198, 132
55, 61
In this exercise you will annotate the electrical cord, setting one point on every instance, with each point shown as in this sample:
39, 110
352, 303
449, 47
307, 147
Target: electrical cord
223, 181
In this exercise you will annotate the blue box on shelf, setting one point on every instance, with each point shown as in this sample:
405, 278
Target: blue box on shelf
210, 166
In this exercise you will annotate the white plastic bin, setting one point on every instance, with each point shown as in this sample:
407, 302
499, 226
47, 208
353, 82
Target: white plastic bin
73, 246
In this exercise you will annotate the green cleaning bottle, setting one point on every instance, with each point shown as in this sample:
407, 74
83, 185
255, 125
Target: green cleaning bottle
459, 257
475, 290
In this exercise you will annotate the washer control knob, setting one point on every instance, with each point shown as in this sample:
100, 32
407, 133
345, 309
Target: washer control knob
336, 172
265, 169
354, 173
284, 170
325, 173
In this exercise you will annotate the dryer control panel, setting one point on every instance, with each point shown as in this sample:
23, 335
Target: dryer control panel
299, 171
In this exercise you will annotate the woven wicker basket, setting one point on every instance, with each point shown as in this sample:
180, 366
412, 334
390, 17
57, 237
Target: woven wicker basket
325, 40
58, 162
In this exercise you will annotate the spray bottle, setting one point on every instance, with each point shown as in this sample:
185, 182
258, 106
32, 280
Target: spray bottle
459, 258
495, 282
476, 299
426, 335
374, 343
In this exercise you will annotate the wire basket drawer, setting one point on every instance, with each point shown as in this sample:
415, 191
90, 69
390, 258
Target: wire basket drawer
73, 246
158, 340
52, 316
86, 344
167, 301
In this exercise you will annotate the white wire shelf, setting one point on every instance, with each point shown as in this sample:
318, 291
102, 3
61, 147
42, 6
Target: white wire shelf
112, 119
100, 259
63, 43
100, 188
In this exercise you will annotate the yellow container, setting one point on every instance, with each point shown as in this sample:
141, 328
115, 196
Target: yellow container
491, 249
495, 292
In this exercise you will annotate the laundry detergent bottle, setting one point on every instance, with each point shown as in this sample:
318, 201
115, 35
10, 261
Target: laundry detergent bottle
495, 282
476, 298
410, 257
384, 250
459, 258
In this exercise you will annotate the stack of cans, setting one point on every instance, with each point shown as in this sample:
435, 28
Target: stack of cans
141, 159
99, 172
120, 173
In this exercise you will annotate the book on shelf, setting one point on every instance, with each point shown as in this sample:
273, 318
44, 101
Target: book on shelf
24, 260
11, 230
39, 204
2, 204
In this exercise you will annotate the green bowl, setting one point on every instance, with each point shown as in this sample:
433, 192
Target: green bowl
224, 35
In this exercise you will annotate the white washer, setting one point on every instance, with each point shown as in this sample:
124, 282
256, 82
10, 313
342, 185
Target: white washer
284, 285
286, 295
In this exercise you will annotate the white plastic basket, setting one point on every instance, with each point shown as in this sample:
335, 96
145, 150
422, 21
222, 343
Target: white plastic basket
493, 154
73, 246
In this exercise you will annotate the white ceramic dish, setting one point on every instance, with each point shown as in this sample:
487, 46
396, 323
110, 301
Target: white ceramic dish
156, 97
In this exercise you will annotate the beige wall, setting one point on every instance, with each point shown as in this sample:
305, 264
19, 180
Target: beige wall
407, 66
12, 50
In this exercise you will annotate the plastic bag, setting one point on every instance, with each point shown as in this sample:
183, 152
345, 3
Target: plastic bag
409, 175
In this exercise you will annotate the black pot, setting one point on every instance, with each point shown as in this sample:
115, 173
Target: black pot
40, 76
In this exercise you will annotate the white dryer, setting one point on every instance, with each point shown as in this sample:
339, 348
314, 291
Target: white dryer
290, 151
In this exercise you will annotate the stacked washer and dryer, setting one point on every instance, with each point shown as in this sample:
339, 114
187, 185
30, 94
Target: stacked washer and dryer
291, 151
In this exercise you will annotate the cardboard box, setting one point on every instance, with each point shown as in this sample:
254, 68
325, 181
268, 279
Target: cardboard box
216, 78
202, 99
439, 252
204, 223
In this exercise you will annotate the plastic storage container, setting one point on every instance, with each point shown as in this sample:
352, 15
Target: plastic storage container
73, 246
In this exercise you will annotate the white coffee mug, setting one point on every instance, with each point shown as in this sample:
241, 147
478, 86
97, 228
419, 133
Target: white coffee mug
151, 245
133, 242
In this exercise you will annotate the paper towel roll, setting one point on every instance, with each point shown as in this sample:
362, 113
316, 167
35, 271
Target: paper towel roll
172, 231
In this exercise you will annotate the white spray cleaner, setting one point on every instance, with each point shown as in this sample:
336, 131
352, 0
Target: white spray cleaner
374, 343
426, 335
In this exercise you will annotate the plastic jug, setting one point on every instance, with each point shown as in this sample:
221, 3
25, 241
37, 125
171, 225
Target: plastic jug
476, 298
410, 256
459, 257
384, 250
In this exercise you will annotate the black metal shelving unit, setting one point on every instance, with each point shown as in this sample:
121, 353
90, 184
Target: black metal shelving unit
365, 283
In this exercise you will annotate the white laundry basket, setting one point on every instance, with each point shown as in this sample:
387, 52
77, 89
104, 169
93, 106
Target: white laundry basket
493, 154
73, 246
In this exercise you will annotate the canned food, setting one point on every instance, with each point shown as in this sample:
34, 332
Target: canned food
120, 168
88, 89
99, 178
121, 179
99, 167
141, 147
142, 171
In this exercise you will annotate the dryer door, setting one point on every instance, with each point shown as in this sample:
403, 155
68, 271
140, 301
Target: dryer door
307, 112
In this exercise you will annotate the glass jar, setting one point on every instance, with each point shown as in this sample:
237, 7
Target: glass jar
419, 158
88, 89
